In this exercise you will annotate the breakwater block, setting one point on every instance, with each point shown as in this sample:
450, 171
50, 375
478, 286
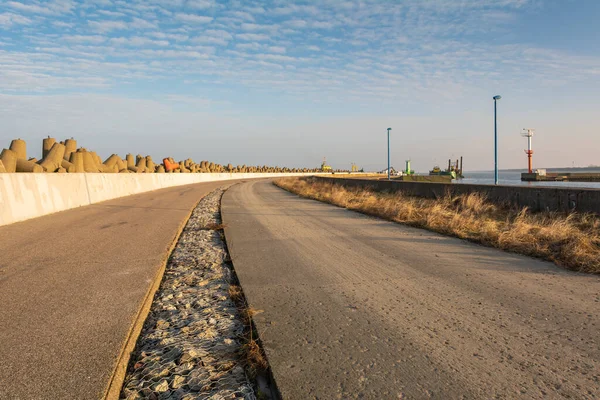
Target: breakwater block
28, 166
9, 158
19, 147
53, 158
47, 144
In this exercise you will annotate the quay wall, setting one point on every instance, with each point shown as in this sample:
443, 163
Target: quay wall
24, 196
536, 198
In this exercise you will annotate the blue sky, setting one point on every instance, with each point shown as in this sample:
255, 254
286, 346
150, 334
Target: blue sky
283, 82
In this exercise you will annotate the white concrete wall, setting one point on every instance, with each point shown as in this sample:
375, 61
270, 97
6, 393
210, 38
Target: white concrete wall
25, 195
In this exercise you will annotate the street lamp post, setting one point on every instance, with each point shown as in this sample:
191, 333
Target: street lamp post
496, 98
388, 170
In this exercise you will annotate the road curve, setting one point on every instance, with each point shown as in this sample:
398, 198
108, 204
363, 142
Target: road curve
357, 307
71, 284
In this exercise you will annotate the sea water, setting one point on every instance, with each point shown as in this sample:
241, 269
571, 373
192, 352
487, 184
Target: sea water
513, 177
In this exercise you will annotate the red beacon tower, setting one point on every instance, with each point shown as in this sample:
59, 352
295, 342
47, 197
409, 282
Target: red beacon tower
528, 133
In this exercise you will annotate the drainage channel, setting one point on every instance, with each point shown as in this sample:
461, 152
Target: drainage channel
198, 341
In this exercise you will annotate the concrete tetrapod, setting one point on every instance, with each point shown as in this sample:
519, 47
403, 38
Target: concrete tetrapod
182, 167
19, 147
67, 165
52, 161
47, 144
169, 165
98, 161
28, 166
141, 164
113, 160
9, 158
2, 169
130, 160
131, 163
96, 157
70, 147
77, 160
150, 164
89, 163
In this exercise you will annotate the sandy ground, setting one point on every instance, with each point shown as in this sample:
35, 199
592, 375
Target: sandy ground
357, 307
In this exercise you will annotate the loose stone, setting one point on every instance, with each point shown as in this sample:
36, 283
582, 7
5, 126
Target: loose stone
190, 344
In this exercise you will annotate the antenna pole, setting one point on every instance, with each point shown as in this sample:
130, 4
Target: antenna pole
388, 138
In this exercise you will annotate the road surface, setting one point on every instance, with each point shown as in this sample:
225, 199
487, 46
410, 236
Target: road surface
71, 284
357, 307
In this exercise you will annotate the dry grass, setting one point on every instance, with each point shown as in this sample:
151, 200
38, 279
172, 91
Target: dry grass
571, 241
236, 294
255, 358
215, 227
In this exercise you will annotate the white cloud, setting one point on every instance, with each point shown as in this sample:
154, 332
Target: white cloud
8, 19
193, 18
200, 4
85, 38
138, 23
323, 24
296, 23
107, 26
137, 41
241, 15
252, 36
277, 49
62, 24
248, 46
277, 58
109, 13
178, 37
51, 7
257, 27
178, 53
29, 8
213, 36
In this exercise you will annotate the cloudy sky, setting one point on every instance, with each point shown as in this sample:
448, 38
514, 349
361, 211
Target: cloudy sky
287, 83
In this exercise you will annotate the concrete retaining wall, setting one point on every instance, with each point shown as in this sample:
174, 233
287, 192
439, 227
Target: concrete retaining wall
535, 197
24, 196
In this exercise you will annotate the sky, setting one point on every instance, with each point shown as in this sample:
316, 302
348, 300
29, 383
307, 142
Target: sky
288, 83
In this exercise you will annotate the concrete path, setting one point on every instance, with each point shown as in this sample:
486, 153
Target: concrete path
356, 307
71, 284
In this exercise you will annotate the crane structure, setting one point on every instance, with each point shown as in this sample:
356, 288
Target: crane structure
528, 133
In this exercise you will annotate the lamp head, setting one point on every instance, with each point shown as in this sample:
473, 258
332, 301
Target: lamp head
389, 129
497, 97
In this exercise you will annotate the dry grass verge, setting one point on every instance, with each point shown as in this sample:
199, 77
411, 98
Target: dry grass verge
254, 355
569, 240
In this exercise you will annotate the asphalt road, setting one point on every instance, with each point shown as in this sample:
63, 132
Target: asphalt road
356, 307
71, 284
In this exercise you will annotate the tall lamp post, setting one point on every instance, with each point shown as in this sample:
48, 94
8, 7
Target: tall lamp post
388, 170
496, 98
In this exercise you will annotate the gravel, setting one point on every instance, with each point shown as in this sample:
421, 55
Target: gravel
190, 345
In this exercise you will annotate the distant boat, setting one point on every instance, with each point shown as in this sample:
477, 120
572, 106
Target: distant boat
437, 171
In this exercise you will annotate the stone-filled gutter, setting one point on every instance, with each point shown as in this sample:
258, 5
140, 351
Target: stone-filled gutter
191, 345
